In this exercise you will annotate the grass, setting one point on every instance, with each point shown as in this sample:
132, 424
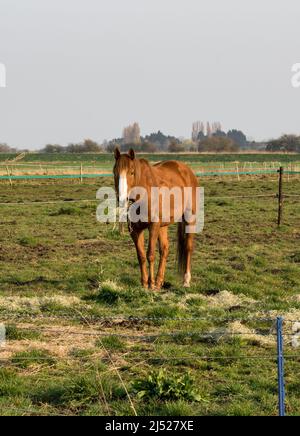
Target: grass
108, 158
13, 333
31, 358
43, 164
57, 261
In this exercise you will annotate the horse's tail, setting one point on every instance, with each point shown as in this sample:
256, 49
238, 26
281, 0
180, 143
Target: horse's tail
181, 248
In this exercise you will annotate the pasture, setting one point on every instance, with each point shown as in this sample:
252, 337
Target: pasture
85, 339
85, 164
186, 157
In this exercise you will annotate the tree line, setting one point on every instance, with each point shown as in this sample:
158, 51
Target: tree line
286, 143
206, 137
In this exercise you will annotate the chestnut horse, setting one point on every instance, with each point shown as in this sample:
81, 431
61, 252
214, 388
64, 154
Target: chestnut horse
130, 173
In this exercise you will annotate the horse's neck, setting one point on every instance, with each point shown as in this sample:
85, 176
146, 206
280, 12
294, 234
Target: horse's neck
145, 173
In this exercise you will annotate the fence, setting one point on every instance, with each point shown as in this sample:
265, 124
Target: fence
281, 196
277, 326
60, 171
276, 329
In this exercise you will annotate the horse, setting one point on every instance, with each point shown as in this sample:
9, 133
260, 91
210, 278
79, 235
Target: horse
129, 173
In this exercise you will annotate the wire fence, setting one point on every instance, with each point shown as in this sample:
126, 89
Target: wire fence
281, 196
91, 200
279, 330
110, 175
14, 172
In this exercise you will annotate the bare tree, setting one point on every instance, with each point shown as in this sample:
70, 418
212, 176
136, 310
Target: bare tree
208, 130
198, 127
132, 134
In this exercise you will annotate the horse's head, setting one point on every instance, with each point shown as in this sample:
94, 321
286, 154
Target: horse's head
125, 174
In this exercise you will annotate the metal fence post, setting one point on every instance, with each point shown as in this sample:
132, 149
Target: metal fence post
280, 363
280, 196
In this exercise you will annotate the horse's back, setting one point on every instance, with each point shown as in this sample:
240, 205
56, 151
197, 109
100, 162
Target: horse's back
173, 168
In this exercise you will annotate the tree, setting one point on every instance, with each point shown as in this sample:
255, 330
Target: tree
132, 134
198, 128
286, 143
4, 148
176, 147
111, 146
239, 137
148, 147
220, 133
218, 144
88, 146
208, 130
161, 141
53, 148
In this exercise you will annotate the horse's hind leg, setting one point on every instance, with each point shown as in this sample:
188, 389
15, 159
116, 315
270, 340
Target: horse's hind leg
189, 252
139, 241
164, 252
153, 237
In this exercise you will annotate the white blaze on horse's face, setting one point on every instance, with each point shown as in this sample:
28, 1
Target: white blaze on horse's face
123, 188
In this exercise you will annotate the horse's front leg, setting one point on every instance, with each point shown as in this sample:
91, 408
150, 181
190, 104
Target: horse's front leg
164, 253
139, 241
153, 238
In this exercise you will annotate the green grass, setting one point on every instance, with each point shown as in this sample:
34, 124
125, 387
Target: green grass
13, 333
108, 158
57, 260
31, 358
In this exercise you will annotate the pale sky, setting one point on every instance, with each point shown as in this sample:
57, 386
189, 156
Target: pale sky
86, 68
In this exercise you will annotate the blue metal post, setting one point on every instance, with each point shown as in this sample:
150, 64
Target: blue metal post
280, 362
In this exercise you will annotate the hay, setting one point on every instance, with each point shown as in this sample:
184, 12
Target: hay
227, 300
237, 329
58, 340
36, 303
110, 285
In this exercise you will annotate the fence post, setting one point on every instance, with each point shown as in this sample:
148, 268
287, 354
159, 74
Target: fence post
238, 171
81, 173
280, 196
280, 363
9, 175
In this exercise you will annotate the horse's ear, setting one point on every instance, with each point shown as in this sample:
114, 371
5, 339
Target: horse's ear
131, 154
117, 153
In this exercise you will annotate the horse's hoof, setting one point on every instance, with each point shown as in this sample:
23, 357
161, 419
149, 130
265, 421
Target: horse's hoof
158, 286
187, 280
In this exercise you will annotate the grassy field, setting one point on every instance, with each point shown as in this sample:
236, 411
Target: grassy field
60, 269
196, 158
78, 164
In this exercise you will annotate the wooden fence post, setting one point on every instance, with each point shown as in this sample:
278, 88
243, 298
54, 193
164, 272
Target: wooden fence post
280, 196
81, 173
238, 171
9, 175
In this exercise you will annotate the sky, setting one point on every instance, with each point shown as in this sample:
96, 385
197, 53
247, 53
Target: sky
86, 68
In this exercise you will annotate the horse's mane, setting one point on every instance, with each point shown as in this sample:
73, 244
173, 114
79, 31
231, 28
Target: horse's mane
141, 165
